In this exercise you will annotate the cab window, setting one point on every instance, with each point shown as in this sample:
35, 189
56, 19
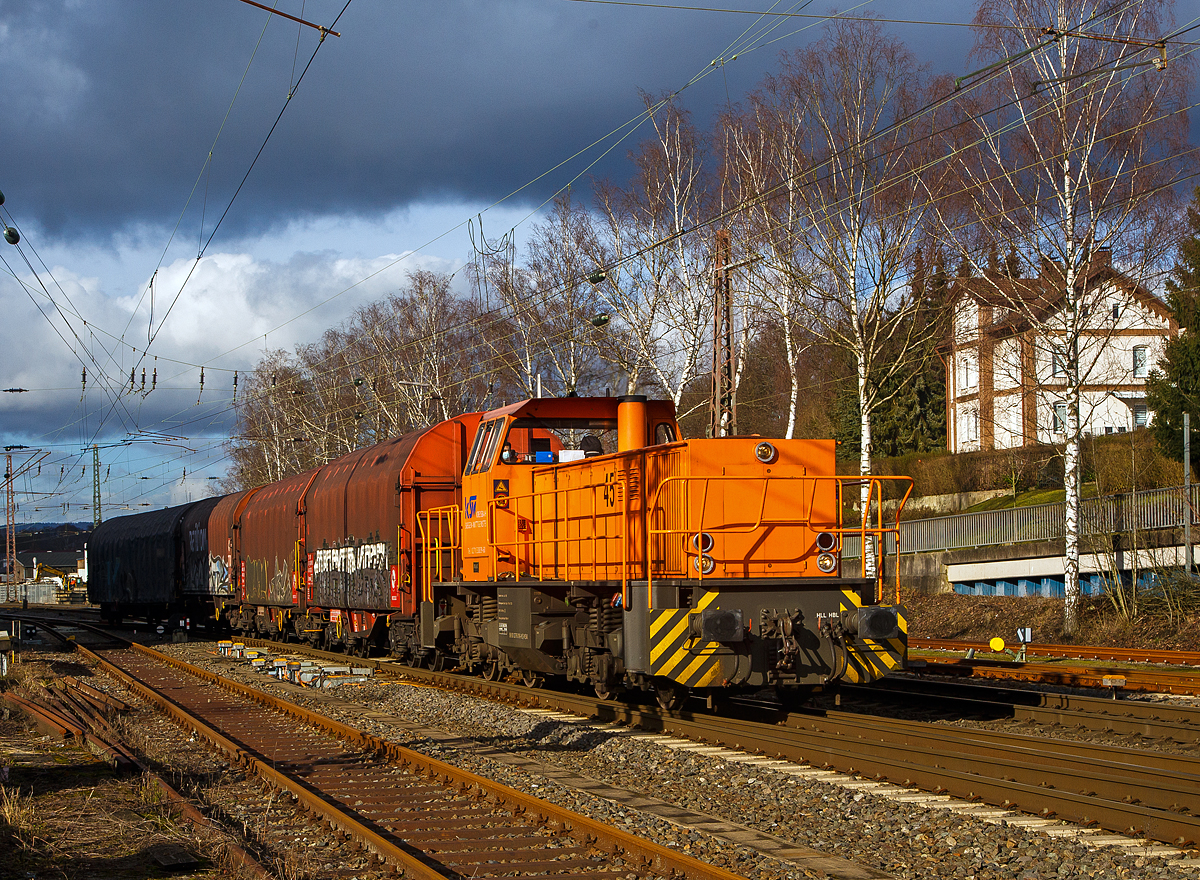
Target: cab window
484, 447
526, 444
489, 453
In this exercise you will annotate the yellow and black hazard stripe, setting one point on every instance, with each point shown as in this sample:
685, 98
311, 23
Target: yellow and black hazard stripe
871, 659
678, 656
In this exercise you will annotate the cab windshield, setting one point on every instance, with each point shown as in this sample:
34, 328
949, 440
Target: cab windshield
483, 450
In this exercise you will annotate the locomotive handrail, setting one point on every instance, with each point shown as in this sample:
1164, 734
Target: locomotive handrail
506, 504
875, 482
452, 514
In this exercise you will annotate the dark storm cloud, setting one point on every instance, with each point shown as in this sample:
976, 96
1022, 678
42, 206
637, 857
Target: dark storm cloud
111, 107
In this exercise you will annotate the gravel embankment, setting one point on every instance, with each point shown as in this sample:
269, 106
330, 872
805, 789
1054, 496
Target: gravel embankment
900, 839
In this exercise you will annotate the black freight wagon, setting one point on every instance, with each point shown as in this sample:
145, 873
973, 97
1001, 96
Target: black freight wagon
153, 564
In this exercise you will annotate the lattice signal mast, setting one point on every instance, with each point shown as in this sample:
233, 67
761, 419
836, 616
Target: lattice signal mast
95, 486
10, 533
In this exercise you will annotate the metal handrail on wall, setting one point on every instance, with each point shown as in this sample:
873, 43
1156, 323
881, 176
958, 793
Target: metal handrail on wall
1107, 515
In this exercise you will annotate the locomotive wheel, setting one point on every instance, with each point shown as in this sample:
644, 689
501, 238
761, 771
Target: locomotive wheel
490, 671
670, 695
604, 690
532, 679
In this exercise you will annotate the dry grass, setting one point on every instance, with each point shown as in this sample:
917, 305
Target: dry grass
20, 815
978, 618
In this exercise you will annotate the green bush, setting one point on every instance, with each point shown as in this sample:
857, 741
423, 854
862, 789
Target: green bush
1115, 463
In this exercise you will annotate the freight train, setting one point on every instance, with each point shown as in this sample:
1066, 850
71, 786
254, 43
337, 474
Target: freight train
566, 538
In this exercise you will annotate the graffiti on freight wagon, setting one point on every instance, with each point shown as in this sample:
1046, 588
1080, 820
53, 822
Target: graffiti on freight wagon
343, 576
218, 577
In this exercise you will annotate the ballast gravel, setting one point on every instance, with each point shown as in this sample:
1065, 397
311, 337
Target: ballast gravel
902, 840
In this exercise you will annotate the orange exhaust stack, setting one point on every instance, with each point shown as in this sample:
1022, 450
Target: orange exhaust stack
631, 422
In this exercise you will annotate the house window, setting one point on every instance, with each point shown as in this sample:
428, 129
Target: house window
1140, 416
1139, 362
1116, 311
970, 425
1060, 418
968, 375
1058, 366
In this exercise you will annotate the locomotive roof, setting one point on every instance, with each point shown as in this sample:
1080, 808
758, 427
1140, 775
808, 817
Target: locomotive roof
573, 408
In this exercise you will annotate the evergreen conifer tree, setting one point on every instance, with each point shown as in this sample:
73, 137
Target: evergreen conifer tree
1173, 388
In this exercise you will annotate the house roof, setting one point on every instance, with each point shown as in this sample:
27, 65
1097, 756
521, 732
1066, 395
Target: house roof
64, 559
1023, 301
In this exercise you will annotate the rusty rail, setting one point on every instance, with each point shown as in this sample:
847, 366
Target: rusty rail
1073, 652
655, 858
1007, 770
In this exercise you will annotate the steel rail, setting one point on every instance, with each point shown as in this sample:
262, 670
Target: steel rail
1071, 652
1008, 770
1153, 720
653, 857
1148, 681
116, 753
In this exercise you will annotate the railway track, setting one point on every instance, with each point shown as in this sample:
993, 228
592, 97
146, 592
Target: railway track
1062, 675
1069, 652
1131, 791
1125, 790
1157, 721
431, 819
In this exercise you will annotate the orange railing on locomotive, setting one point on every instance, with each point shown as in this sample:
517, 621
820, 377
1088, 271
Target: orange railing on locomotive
616, 489
441, 553
864, 529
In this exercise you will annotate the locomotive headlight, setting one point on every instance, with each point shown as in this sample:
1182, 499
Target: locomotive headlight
765, 452
704, 564
827, 562
702, 542
826, 541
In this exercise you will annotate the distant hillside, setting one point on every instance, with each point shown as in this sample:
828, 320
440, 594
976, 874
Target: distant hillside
49, 536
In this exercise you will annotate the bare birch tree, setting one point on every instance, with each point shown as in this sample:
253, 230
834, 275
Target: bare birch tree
659, 280
396, 365
765, 166
540, 312
1073, 147
840, 205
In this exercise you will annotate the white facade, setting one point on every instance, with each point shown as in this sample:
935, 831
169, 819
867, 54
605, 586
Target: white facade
1007, 363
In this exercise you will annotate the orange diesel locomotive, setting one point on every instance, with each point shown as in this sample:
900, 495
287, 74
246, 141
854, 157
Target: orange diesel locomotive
667, 564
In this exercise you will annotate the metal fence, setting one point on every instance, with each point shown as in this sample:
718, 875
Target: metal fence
1111, 514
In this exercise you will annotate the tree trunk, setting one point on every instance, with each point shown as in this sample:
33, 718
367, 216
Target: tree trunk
792, 374
1071, 517
864, 467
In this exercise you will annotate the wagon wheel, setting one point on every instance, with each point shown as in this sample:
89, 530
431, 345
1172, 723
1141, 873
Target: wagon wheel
490, 670
604, 689
532, 679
